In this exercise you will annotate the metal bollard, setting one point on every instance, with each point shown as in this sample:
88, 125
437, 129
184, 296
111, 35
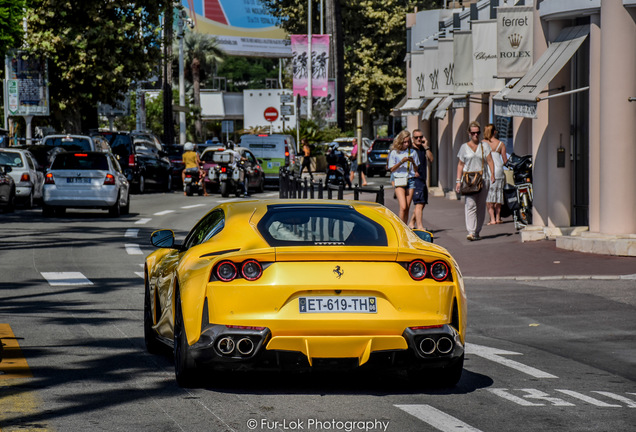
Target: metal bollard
340, 192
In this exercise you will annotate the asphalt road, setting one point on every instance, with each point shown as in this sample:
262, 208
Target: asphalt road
541, 355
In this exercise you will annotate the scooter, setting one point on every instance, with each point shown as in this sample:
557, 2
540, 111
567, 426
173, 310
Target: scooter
231, 180
192, 183
519, 199
336, 172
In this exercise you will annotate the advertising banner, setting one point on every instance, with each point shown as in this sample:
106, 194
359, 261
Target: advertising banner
419, 82
463, 62
319, 64
446, 66
241, 27
485, 57
27, 85
431, 73
514, 41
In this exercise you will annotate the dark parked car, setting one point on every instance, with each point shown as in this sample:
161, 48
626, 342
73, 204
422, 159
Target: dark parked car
143, 159
378, 156
7, 189
175, 155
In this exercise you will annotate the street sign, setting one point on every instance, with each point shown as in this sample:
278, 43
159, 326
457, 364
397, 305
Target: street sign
287, 110
271, 114
227, 126
286, 98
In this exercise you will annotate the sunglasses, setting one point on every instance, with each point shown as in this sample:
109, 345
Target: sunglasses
475, 133
417, 137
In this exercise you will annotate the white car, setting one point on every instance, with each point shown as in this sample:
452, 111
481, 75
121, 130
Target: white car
85, 180
28, 180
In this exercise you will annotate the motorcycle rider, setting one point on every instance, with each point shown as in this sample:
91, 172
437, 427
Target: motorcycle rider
239, 164
336, 157
191, 160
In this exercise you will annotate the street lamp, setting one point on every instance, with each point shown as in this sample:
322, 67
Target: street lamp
183, 20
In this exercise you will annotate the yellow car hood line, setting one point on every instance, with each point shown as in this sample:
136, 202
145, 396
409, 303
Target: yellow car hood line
223, 252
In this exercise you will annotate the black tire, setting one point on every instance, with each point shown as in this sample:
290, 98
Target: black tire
169, 183
261, 186
115, 209
47, 211
238, 189
443, 377
141, 185
225, 189
188, 190
28, 203
525, 216
184, 366
10, 208
60, 211
153, 346
383, 173
126, 208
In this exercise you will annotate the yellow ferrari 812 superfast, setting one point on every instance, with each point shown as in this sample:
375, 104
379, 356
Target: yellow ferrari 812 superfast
305, 283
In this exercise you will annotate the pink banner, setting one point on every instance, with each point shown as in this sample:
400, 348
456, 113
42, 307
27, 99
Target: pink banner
319, 64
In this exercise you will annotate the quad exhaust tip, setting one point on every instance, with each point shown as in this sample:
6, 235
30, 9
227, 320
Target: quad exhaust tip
428, 346
245, 346
225, 345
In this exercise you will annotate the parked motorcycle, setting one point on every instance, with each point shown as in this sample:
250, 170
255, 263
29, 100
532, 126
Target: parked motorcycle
518, 198
192, 182
336, 167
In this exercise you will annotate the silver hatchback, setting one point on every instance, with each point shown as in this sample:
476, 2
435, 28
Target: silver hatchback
85, 180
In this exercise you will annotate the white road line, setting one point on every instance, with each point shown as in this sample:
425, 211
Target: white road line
512, 398
140, 274
162, 213
143, 221
436, 418
133, 249
66, 278
494, 354
588, 399
131, 233
193, 206
630, 403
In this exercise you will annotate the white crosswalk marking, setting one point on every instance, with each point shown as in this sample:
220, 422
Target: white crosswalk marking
133, 249
502, 392
65, 278
131, 233
143, 221
495, 355
588, 399
192, 206
436, 418
165, 212
140, 274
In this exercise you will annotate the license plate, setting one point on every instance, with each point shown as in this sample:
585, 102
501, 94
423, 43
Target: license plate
384, 156
188, 180
337, 304
79, 180
223, 176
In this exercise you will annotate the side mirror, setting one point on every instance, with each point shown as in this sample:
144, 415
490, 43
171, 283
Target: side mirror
162, 238
424, 235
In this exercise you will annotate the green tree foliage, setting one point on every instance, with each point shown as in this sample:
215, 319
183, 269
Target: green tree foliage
11, 12
96, 49
244, 73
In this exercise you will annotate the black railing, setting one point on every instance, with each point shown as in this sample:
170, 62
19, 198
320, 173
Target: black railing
292, 186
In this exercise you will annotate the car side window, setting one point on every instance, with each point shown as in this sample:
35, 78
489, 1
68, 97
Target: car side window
113, 161
32, 165
250, 157
207, 228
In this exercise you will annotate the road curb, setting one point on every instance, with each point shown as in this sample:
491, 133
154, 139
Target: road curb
559, 277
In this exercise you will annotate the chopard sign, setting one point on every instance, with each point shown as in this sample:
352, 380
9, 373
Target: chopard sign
484, 56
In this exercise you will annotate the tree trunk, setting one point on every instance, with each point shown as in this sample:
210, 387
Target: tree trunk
196, 89
168, 123
333, 16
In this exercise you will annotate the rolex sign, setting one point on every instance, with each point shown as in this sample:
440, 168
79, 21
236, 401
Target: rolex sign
514, 41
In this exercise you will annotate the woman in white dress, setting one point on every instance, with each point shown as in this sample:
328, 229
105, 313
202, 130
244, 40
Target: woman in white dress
474, 156
494, 200
403, 163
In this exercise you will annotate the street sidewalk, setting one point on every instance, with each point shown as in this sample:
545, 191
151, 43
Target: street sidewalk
500, 253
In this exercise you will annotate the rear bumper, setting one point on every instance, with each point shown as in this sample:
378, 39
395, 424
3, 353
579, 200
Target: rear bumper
74, 198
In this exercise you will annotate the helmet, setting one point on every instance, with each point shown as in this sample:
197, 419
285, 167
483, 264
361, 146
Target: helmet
188, 146
334, 146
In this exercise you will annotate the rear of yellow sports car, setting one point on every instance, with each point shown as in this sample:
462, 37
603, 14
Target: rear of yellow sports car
348, 282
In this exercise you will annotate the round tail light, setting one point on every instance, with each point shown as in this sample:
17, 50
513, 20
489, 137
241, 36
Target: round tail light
251, 270
439, 270
417, 269
226, 271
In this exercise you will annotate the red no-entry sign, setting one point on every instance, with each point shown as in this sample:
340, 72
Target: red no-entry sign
271, 114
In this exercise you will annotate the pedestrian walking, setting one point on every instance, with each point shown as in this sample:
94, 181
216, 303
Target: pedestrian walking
306, 158
494, 200
355, 167
420, 193
403, 162
474, 156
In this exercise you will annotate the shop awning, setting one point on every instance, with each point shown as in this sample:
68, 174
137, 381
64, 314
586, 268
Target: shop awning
500, 100
412, 107
523, 97
396, 109
426, 114
221, 105
440, 112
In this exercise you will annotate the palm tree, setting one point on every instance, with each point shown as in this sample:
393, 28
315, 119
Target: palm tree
202, 54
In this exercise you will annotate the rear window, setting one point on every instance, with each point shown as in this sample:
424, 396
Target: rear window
381, 145
326, 225
210, 156
13, 159
80, 161
69, 143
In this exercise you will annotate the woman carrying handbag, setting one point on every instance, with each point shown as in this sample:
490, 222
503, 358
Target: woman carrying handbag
471, 168
403, 163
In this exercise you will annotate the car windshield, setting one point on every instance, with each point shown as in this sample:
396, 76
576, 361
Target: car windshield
174, 151
69, 143
80, 161
324, 225
381, 145
13, 159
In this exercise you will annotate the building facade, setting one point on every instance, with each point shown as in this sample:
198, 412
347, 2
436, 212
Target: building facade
558, 79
